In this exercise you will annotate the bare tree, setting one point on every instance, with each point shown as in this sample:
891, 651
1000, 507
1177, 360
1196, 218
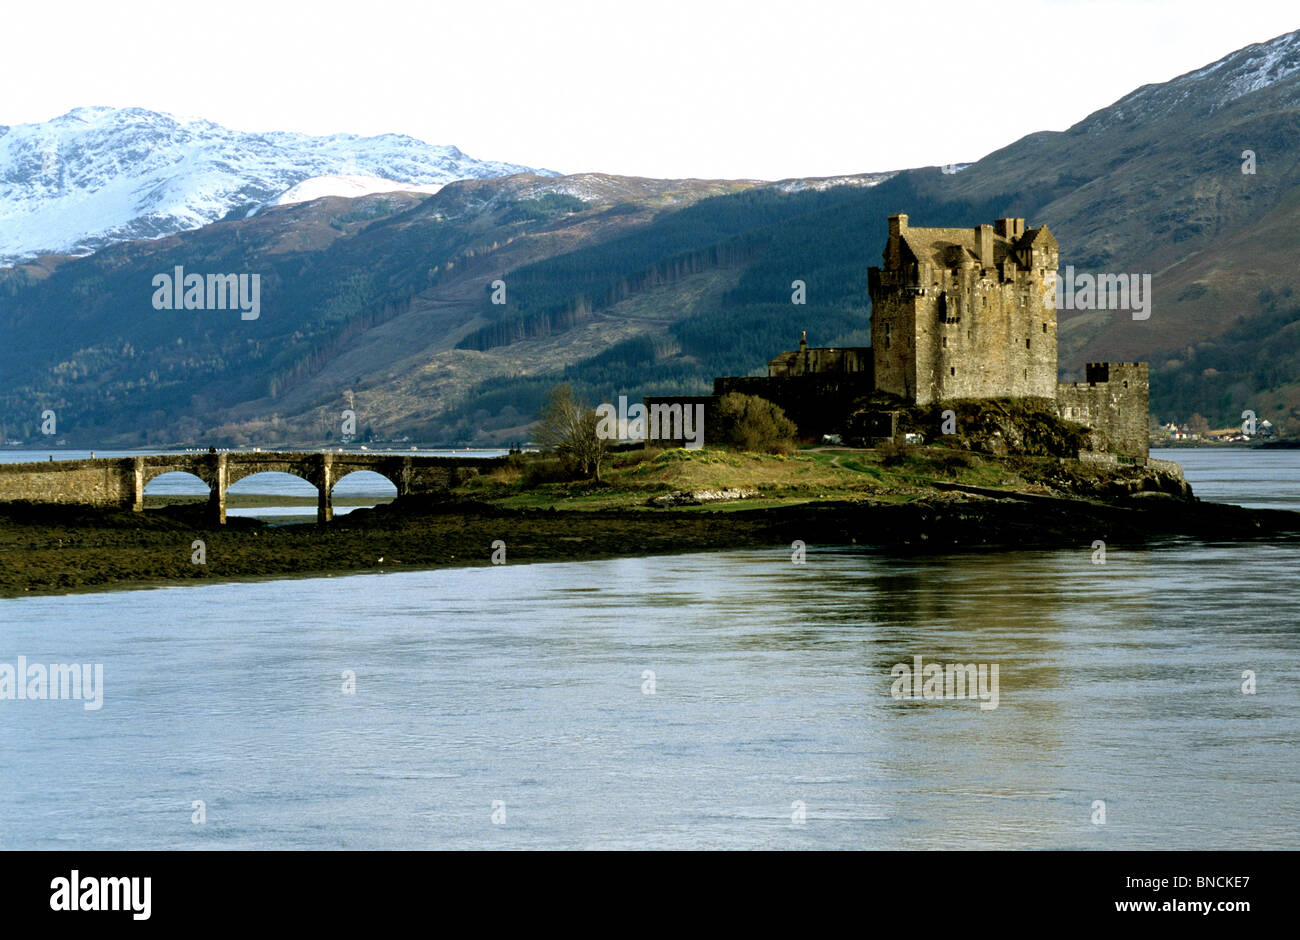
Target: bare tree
568, 427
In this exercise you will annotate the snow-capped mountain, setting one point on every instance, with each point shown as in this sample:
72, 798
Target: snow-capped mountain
95, 176
1201, 93
823, 183
349, 187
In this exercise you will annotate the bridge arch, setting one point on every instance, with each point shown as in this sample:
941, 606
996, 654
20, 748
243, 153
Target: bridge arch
380, 478
237, 470
281, 486
299, 481
362, 488
150, 472
175, 483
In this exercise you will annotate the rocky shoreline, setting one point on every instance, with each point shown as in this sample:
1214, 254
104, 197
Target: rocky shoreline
55, 550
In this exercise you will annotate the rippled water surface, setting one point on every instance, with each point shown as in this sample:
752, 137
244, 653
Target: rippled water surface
1262, 479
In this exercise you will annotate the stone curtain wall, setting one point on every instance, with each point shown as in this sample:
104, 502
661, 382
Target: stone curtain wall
712, 420
1113, 400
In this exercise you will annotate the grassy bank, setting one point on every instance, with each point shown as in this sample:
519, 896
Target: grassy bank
886, 475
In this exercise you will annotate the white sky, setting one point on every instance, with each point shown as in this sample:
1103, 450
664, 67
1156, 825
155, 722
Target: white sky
662, 88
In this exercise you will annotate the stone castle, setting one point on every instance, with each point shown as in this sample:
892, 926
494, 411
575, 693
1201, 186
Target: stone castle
957, 313
965, 312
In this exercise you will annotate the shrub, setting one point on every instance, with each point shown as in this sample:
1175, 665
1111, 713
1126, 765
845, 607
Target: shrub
755, 424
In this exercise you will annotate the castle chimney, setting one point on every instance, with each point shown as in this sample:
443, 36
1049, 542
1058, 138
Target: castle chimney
897, 224
803, 340
1009, 227
984, 245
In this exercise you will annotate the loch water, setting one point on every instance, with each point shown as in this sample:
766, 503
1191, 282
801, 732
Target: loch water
719, 700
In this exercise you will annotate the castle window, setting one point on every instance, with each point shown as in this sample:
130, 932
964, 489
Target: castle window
1026, 373
1126, 383
1044, 327
952, 370
945, 342
1026, 342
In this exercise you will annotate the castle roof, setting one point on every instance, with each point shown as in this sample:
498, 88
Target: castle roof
945, 247
1038, 237
935, 245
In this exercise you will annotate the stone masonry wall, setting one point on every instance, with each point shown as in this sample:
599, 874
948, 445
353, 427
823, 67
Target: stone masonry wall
79, 482
894, 301
979, 335
1113, 400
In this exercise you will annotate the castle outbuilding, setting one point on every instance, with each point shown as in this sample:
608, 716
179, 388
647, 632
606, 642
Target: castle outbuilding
815, 387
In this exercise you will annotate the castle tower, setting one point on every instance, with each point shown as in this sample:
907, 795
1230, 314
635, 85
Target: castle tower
965, 312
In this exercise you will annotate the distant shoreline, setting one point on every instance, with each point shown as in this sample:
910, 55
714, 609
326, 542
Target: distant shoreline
1233, 445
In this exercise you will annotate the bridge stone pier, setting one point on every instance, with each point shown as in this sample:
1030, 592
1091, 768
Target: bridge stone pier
120, 481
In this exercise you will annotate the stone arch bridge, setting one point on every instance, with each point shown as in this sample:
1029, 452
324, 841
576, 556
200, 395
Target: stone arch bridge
120, 481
